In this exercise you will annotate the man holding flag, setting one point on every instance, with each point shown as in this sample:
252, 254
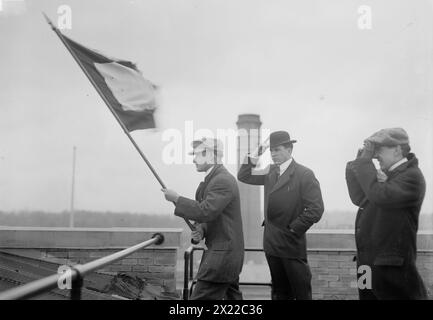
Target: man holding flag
129, 97
217, 212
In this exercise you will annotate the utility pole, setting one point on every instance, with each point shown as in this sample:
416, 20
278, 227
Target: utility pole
71, 214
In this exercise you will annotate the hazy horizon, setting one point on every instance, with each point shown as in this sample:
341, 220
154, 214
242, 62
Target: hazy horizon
335, 220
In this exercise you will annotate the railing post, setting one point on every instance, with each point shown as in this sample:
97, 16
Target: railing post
188, 275
186, 257
191, 265
77, 285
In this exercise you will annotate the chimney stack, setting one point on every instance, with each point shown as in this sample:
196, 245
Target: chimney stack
248, 140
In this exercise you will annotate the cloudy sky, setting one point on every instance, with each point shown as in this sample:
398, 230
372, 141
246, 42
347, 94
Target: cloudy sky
303, 66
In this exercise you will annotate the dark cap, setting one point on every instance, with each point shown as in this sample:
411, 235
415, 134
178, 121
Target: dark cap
389, 137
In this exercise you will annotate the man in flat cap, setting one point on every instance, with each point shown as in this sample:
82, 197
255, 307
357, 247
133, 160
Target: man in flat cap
293, 203
217, 213
389, 202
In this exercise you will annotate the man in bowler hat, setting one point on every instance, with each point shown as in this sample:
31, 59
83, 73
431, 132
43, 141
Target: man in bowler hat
217, 213
293, 203
386, 225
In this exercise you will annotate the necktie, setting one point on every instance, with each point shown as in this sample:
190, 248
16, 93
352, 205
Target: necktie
274, 176
278, 171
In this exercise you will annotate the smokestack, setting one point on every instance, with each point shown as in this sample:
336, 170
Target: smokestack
248, 140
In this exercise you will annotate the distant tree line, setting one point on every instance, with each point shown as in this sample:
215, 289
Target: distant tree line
107, 219
89, 219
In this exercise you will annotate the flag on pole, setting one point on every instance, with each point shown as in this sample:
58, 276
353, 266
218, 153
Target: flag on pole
129, 95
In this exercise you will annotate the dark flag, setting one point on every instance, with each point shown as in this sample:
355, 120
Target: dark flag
130, 97
128, 94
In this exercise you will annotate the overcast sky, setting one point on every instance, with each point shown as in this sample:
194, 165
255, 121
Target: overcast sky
303, 66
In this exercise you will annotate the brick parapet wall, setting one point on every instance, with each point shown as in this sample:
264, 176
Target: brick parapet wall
155, 264
330, 256
334, 273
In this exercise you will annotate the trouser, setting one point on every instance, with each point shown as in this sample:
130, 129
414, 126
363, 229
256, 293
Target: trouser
392, 283
291, 278
206, 290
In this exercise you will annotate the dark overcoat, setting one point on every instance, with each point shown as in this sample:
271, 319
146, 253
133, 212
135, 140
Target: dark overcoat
292, 201
386, 225
218, 211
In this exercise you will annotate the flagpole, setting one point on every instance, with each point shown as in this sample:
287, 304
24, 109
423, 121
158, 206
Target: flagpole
125, 130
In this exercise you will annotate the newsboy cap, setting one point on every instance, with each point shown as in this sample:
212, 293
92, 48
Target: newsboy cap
278, 138
389, 137
207, 144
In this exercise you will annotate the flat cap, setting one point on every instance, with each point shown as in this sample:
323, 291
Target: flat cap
389, 137
207, 144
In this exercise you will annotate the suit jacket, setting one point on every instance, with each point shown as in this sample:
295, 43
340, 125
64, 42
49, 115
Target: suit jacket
217, 209
292, 202
387, 220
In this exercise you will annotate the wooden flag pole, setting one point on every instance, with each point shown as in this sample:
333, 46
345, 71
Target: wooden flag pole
125, 130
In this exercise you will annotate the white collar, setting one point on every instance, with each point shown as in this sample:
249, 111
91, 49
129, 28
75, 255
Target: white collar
208, 171
285, 165
395, 165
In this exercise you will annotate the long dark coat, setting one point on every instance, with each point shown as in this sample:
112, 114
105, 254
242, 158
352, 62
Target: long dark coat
292, 201
386, 225
217, 208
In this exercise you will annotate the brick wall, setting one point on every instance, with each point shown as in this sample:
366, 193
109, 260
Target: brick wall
330, 254
334, 271
155, 264
333, 274
425, 268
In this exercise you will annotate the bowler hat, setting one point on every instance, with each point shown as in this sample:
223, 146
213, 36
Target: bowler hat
207, 144
278, 138
389, 137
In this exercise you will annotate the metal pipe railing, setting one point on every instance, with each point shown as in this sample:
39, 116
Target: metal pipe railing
77, 274
188, 276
